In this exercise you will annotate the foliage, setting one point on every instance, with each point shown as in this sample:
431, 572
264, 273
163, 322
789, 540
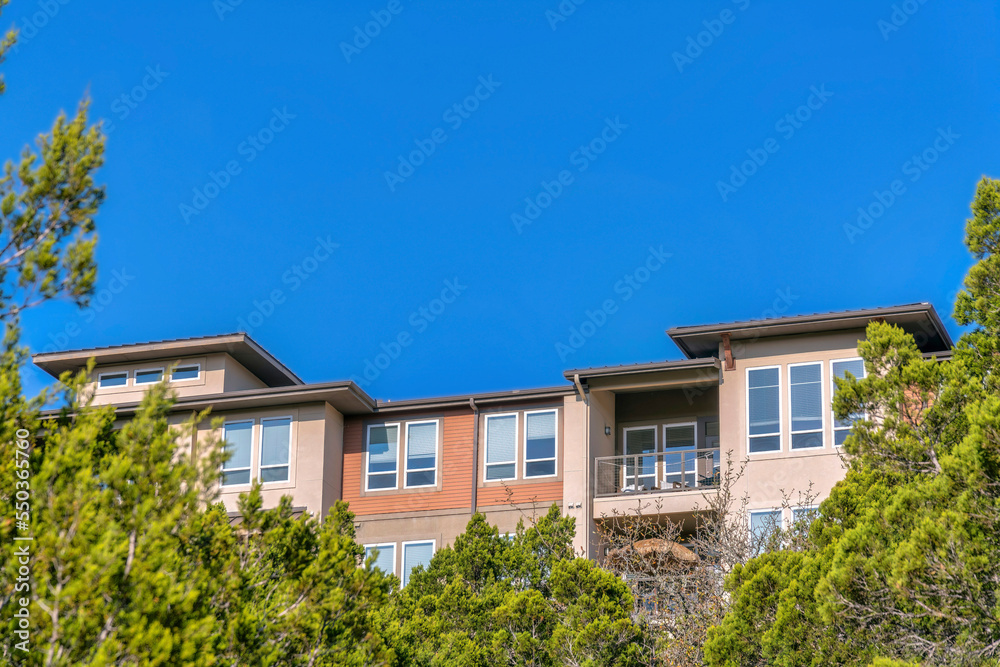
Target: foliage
904, 561
522, 600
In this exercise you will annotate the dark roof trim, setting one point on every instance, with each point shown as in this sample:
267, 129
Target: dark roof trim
239, 346
702, 340
490, 398
345, 396
652, 367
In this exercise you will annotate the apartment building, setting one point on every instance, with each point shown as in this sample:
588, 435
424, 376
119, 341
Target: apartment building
606, 439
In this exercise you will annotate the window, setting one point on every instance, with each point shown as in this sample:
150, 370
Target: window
805, 382
764, 409
640, 471
148, 376
679, 462
239, 442
805, 514
414, 555
421, 453
540, 444
275, 444
383, 448
112, 379
764, 525
856, 367
185, 373
501, 447
385, 556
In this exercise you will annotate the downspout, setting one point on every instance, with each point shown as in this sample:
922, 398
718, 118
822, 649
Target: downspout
475, 455
587, 502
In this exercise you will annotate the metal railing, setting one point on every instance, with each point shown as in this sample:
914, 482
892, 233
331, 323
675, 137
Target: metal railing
656, 472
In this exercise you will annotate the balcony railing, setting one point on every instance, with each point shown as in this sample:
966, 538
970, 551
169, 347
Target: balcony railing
656, 472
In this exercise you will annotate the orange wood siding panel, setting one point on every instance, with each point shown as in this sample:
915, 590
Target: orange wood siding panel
455, 468
547, 492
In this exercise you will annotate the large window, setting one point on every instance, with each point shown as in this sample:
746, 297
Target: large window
501, 447
680, 470
805, 383
112, 379
764, 526
414, 555
421, 453
385, 556
856, 367
275, 446
239, 446
383, 449
764, 409
640, 471
540, 444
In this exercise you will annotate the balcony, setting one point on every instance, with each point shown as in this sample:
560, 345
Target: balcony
656, 472
673, 482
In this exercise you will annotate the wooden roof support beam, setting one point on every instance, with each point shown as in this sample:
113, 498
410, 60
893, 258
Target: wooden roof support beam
728, 350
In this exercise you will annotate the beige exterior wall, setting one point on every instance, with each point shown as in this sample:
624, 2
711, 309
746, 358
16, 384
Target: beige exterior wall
218, 373
311, 441
769, 477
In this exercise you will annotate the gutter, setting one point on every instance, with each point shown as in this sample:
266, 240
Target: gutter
475, 455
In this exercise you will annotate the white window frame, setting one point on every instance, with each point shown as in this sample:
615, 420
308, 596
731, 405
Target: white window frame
260, 449
779, 524
833, 386
368, 439
663, 451
135, 375
253, 439
822, 412
781, 415
180, 366
654, 453
380, 546
403, 574
406, 454
555, 445
100, 376
486, 446
807, 508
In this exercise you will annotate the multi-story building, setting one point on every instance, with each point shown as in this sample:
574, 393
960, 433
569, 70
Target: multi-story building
415, 471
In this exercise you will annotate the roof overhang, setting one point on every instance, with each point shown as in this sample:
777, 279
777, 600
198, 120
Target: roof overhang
346, 397
239, 346
491, 398
918, 319
650, 376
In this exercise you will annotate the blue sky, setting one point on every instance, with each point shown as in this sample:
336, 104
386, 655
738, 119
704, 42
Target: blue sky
265, 150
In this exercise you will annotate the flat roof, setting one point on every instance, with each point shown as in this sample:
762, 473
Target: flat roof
239, 345
919, 319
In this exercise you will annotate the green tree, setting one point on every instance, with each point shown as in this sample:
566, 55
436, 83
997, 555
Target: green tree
904, 560
517, 600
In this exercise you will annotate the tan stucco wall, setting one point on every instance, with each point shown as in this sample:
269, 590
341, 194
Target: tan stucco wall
219, 372
771, 476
